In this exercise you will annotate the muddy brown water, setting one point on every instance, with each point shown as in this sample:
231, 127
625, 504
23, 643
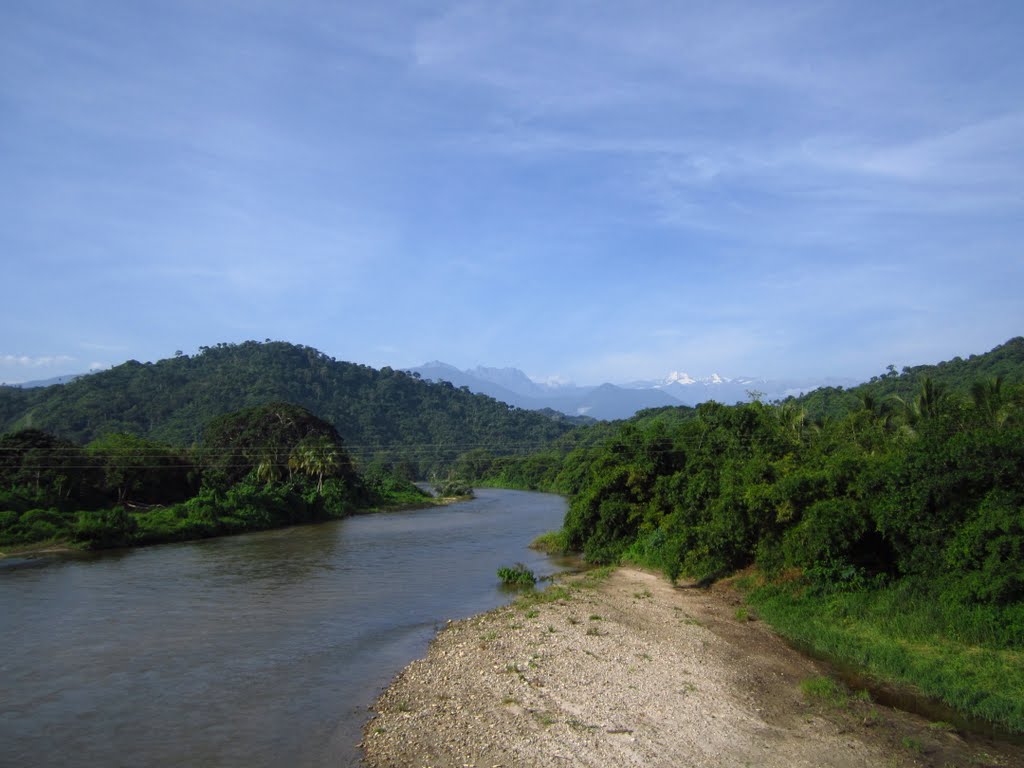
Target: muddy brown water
257, 650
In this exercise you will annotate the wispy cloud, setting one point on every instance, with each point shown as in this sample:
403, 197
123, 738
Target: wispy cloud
588, 189
40, 361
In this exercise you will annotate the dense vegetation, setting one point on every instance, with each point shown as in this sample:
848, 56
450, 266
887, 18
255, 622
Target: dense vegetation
263, 467
956, 376
892, 536
381, 414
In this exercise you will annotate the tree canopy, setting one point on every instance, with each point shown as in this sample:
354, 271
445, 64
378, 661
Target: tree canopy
379, 413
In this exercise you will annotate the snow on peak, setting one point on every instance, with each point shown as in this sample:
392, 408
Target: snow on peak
680, 377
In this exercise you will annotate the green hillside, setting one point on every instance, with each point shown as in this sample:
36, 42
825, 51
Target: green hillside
379, 413
955, 376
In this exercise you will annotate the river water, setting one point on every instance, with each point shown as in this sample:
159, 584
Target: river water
257, 650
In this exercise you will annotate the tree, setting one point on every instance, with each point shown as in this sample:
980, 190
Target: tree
989, 406
37, 461
263, 440
140, 470
318, 457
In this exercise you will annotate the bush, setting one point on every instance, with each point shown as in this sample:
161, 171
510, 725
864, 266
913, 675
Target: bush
452, 487
551, 543
106, 528
987, 552
517, 576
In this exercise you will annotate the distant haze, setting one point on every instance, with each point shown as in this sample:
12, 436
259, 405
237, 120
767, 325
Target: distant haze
607, 401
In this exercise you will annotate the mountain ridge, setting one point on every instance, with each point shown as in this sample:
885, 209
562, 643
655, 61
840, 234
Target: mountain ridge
608, 401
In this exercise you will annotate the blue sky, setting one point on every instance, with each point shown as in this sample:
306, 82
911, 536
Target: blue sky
592, 191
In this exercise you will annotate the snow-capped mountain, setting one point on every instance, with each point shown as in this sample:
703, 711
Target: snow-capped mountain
512, 386
691, 390
608, 401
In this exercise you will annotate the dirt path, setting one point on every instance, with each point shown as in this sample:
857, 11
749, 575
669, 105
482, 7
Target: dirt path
630, 671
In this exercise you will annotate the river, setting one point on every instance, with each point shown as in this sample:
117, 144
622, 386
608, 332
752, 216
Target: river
256, 650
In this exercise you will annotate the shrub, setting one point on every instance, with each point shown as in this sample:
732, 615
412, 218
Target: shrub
551, 543
106, 528
518, 576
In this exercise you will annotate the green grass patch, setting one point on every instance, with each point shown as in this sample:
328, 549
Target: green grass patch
825, 690
597, 576
903, 634
551, 543
556, 593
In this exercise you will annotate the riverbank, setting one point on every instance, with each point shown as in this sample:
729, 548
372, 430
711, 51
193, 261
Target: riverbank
623, 669
167, 526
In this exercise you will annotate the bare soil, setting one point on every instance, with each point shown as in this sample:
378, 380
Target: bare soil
632, 671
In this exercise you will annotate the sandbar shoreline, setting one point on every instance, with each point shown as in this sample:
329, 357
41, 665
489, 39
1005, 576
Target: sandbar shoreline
629, 670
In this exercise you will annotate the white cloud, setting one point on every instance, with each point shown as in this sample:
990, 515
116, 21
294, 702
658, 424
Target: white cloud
551, 380
41, 361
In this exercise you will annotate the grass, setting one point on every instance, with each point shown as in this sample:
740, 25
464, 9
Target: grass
899, 635
825, 690
914, 745
556, 593
551, 543
597, 576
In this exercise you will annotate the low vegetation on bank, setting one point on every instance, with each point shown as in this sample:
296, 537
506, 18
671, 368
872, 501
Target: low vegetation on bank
966, 656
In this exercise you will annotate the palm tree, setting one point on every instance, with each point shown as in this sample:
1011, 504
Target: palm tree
926, 404
268, 470
793, 419
989, 404
317, 457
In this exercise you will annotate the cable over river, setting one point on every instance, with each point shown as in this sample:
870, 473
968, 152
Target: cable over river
257, 650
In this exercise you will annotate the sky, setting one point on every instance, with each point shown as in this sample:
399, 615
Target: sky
586, 191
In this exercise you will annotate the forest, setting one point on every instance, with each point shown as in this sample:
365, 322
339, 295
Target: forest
384, 415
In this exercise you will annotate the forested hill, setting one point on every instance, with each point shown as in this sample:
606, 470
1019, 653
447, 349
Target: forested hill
373, 410
958, 376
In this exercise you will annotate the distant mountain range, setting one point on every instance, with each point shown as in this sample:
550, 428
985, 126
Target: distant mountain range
49, 382
609, 401
171, 400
